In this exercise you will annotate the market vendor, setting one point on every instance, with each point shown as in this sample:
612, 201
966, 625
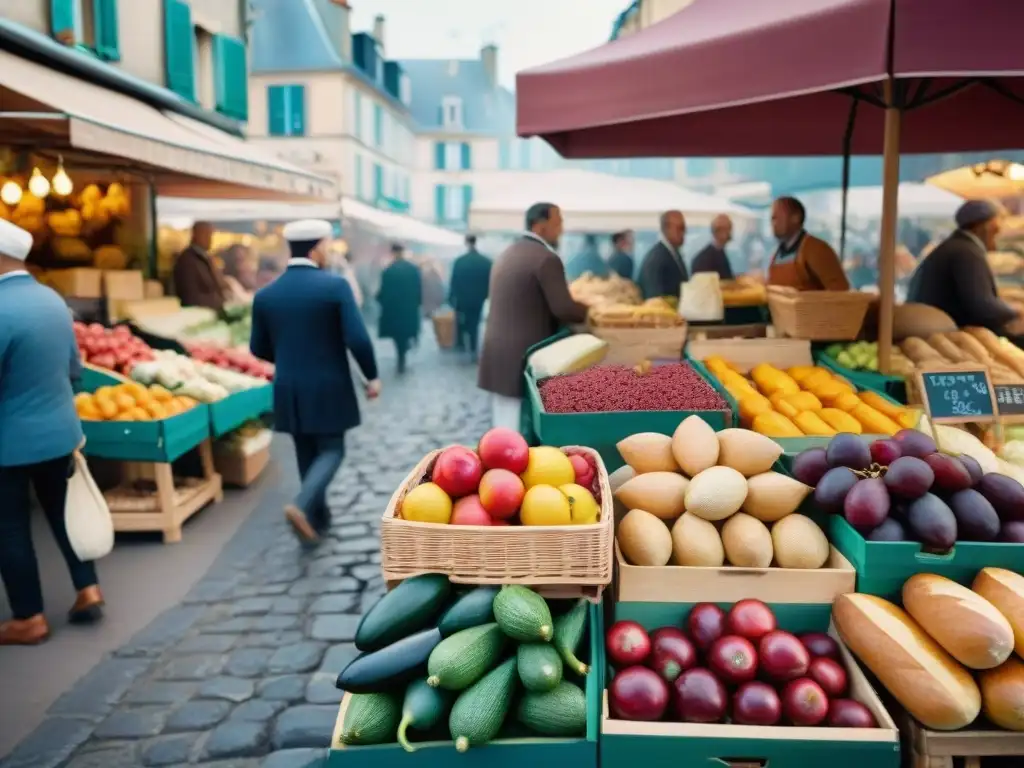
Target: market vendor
956, 278
802, 261
198, 281
663, 270
713, 258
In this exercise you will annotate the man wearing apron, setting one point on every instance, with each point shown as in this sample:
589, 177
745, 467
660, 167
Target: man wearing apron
802, 261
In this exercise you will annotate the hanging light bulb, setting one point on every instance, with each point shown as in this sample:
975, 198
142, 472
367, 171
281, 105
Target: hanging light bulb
10, 192
1015, 172
38, 185
61, 183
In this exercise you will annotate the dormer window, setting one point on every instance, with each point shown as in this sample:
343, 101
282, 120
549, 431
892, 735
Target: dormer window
405, 90
451, 112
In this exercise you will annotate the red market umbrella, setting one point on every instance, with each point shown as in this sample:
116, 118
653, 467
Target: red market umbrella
793, 77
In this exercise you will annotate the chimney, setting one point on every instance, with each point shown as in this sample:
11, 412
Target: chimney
489, 58
378, 31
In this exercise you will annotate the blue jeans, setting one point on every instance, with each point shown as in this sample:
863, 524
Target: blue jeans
318, 457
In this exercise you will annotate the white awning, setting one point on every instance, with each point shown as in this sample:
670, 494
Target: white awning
399, 226
183, 212
914, 201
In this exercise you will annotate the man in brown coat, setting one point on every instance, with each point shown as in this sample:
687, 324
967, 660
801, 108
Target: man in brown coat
198, 281
529, 302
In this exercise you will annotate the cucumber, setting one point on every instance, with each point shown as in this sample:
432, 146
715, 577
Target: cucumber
471, 610
558, 712
522, 614
462, 659
371, 718
540, 666
389, 667
408, 608
569, 630
423, 708
480, 712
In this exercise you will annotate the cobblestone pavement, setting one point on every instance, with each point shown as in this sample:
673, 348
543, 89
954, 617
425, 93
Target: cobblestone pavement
241, 674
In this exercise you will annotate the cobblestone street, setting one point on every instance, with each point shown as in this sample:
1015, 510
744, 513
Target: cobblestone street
241, 674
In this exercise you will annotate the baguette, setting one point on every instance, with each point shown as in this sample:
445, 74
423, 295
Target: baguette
974, 349
948, 349
920, 352
965, 624
1005, 590
1002, 690
926, 680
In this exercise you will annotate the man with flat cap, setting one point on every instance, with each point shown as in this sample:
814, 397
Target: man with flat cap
956, 278
306, 322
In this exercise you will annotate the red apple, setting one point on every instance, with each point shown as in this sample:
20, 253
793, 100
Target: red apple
783, 656
829, 674
751, 619
469, 511
501, 493
457, 471
847, 713
733, 659
502, 448
706, 624
627, 644
756, 703
584, 472
804, 702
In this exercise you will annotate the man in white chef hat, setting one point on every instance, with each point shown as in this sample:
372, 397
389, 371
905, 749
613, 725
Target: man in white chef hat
306, 322
39, 432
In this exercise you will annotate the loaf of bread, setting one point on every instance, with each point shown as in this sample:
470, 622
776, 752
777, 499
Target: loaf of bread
965, 624
1005, 590
927, 681
1002, 694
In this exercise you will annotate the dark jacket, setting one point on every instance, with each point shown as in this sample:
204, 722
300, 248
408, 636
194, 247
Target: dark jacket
197, 282
306, 322
662, 272
471, 277
957, 279
400, 297
621, 263
530, 301
711, 258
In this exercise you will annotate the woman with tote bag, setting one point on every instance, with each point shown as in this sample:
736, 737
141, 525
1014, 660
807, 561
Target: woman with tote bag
39, 432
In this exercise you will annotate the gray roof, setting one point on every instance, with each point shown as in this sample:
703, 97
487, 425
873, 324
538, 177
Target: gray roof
291, 36
485, 108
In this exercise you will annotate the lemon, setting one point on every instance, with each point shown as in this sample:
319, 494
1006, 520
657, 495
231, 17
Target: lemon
548, 466
583, 506
545, 505
427, 503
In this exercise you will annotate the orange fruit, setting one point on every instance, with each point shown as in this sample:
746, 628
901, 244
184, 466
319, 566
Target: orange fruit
127, 416
107, 407
134, 388
173, 408
139, 414
124, 401
185, 402
104, 392
160, 394
88, 412
156, 410
83, 397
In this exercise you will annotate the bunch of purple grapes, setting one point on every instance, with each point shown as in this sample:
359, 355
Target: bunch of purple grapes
903, 489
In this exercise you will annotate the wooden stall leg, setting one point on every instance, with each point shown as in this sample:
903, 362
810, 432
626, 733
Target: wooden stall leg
206, 457
171, 526
972, 762
924, 761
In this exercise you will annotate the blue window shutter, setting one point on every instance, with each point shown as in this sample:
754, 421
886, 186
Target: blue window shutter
296, 110
438, 155
179, 44
64, 21
105, 19
467, 199
231, 79
439, 196
378, 182
467, 156
277, 110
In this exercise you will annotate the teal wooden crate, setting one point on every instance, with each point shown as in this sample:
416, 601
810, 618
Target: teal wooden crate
514, 748
894, 387
94, 378
236, 409
664, 745
160, 441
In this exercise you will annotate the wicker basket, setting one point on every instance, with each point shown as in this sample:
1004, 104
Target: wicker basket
569, 555
818, 315
630, 346
444, 329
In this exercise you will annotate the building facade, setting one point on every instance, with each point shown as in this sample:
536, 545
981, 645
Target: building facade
330, 100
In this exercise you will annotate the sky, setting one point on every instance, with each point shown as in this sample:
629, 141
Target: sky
527, 32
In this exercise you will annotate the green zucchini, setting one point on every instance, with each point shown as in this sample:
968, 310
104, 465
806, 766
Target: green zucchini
411, 606
462, 659
479, 712
371, 718
390, 667
569, 630
471, 610
522, 614
540, 666
558, 712
423, 708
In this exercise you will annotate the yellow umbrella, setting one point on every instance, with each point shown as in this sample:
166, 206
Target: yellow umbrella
996, 179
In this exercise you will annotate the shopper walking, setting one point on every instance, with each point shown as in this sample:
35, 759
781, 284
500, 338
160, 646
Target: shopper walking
306, 322
39, 431
529, 302
467, 294
400, 298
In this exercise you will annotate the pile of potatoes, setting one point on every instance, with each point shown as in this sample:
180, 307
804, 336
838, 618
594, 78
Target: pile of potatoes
702, 498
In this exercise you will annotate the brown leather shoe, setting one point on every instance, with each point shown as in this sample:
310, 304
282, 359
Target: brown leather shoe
301, 525
88, 607
30, 631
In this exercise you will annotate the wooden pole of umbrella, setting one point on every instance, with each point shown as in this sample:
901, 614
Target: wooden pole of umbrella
887, 246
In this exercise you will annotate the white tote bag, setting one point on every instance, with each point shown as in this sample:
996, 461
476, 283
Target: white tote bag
700, 298
86, 514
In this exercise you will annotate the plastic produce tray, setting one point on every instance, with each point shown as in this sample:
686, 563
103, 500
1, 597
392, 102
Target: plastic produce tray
160, 441
236, 409
894, 387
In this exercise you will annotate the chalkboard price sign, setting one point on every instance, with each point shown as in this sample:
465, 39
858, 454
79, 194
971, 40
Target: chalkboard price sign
1010, 399
958, 396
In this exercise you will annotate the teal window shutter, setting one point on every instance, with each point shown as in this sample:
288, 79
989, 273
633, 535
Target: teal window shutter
231, 79
467, 156
105, 19
378, 125
438, 155
296, 110
64, 20
359, 177
467, 200
439, 198
277, 110
179, 49
358, 115
378, 182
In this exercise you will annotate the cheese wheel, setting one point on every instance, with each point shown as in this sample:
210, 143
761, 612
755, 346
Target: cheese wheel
1005, 590
1002, 690
927, 681
965, 624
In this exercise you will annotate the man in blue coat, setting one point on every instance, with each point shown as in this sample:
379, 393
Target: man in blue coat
306, 322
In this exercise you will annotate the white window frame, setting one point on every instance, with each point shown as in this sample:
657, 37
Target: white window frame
451, 112
454, 203
453, 155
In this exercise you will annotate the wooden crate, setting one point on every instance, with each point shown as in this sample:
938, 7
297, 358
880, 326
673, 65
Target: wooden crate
969, 748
